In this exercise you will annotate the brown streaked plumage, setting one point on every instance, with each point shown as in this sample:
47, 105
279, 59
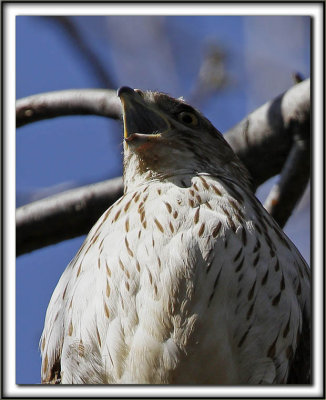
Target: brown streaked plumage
186, 279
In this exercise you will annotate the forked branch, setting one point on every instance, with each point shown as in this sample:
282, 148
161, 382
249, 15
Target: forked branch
274, 138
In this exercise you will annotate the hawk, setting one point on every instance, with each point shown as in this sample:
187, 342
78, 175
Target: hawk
186, 279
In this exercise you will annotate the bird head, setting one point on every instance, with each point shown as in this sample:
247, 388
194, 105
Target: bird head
165, 138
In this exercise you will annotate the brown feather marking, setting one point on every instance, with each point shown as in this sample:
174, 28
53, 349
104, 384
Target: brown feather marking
217, 229
201, 230
54, 375
108, 290
128, 248
160, 227
205, 184
140, 207
196, 217
216, 190
234, 205
127, 286
136, 197
146, 195
106, 310
98, 337
127, 206
168, 206
137, 266
116, 216
175, 214
127, 224
43, 343
108, 271
121, 265
70, 329
107, 213
95, 238
232, 224
64, 292
45, 364
208, 205
78, 272
171, 227
81, 349
101, 244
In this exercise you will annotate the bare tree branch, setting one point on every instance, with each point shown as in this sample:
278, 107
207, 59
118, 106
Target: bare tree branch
264, 138
263, 141
87, 52
284, 196
41, 223
101, 102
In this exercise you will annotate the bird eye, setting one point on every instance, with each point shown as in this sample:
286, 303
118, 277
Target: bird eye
188, 118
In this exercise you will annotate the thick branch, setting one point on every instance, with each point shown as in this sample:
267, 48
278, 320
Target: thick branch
264, 138
63, 216
284, 195
263, 141
68, 102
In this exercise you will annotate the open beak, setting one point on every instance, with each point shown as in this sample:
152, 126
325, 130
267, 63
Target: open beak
139, 118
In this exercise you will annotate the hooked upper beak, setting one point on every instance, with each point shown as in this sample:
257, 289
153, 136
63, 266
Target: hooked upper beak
139, 118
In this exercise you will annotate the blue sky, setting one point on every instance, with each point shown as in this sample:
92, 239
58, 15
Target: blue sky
163, 53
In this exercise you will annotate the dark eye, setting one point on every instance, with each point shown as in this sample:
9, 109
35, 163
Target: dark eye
188, 118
